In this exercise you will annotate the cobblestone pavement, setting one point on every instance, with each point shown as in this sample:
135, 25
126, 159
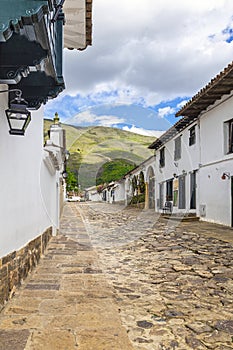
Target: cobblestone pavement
173, 281
125, 279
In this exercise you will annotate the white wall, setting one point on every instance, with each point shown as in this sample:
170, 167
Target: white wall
215, 193
212, 131
207, 156
188, 162
94, 196
120, 191
28, 190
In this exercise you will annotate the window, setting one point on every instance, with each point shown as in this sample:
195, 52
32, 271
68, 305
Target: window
177, 153
169, 190
162, 157
192, 135
230, 136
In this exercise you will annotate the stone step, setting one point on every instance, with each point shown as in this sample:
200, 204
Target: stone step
179, 217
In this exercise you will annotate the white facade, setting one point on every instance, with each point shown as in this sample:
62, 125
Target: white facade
194, 158
30, 192
128, 178
196, 176
119, 192
176, 169
114, 192
92, 194
215, 193
192, 168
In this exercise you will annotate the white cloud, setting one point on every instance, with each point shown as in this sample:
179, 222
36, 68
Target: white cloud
90, 118
142, 131
142, 51
163, 112
106, 120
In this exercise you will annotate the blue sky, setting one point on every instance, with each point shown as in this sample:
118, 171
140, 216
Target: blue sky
148, 58
86, 111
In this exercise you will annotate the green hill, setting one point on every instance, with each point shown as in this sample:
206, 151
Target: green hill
92, 147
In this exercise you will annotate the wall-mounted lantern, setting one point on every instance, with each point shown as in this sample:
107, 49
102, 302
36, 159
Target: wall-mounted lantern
17, 114
225, 176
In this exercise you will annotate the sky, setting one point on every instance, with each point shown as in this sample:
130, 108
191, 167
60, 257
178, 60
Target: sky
147, 59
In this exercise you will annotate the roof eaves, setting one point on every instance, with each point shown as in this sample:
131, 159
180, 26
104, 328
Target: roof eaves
173, 131
220, 85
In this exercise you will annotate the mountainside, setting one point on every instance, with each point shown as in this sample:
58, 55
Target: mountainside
91, 147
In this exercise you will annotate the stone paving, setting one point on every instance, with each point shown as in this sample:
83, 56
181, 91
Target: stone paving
173, 281
125, 279
66, 303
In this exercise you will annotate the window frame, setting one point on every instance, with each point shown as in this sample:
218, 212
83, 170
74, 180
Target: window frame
192, 135
193, 190
162, 157
169, 190
230, 136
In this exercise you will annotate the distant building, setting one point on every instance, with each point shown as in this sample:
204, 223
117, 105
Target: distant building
92, 194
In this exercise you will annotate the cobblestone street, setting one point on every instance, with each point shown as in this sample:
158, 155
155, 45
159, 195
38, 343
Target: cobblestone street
123, 279
172, 280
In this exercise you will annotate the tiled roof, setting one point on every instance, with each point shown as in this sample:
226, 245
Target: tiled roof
221, 85
170, 133
138, 167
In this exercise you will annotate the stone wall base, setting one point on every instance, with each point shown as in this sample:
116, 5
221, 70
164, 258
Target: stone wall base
15, 266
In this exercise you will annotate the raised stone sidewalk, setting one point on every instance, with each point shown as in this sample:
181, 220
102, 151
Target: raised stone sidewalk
66, 303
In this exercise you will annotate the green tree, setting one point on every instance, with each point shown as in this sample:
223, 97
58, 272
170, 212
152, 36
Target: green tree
71, 181
113, 170
141, 183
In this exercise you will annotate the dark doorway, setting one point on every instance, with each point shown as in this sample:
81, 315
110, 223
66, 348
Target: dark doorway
193, 185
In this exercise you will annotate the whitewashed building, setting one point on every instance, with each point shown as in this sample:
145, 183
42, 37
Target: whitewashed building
31, 197
92, 194
129, 179
114, 192
31, 46
194, 162
119, 191
147, 170
176, 168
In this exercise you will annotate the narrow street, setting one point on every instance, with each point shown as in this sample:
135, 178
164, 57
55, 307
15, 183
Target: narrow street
125, 279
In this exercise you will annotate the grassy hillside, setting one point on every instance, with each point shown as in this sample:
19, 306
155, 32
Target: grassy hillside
90, 148
113, 170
